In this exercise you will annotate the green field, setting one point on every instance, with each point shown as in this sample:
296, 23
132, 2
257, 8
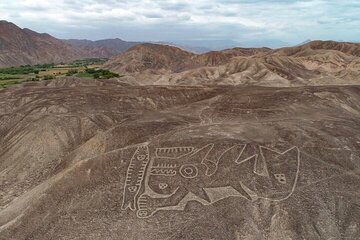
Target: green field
84, 68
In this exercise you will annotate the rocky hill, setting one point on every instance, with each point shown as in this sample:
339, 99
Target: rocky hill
314, 63
105, 159
152, 58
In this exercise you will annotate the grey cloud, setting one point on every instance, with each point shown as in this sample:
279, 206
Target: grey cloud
153, 15
175, 6
241, 20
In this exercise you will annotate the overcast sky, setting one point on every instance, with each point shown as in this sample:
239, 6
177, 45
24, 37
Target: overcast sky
156, 20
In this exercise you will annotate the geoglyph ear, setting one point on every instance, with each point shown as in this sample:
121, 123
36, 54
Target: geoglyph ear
268, 154
273, 155
260, 167
291, 154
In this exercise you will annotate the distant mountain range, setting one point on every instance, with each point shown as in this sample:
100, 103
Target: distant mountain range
26, 47
314, 63
102, 48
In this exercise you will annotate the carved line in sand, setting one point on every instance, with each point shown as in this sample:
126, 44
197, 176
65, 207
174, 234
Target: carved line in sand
173, 152
163, 170
190, 171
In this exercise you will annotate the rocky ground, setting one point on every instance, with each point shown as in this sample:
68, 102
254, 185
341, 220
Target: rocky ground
106, 159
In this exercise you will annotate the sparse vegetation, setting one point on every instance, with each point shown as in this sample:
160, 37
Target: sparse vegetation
89, 61
71, 72
48, 77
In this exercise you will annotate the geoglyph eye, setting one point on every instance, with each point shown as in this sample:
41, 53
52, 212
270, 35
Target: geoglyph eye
163, 185
188, 171
280, 177
132, 188
141, 157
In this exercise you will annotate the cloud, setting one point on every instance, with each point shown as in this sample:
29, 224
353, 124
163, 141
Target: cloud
241, 20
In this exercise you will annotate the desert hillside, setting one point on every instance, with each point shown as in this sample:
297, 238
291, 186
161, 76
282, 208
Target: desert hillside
112, 160
314, 63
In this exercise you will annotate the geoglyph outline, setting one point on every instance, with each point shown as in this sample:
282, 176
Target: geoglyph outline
190, 196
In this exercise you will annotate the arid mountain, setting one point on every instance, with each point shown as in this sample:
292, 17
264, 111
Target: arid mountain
154, 60
315, 63
103, 48
105, 159
24, 46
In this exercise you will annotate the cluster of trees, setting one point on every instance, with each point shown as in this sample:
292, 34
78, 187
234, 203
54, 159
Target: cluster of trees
19, 70
92, 72
48, 65
101, 73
